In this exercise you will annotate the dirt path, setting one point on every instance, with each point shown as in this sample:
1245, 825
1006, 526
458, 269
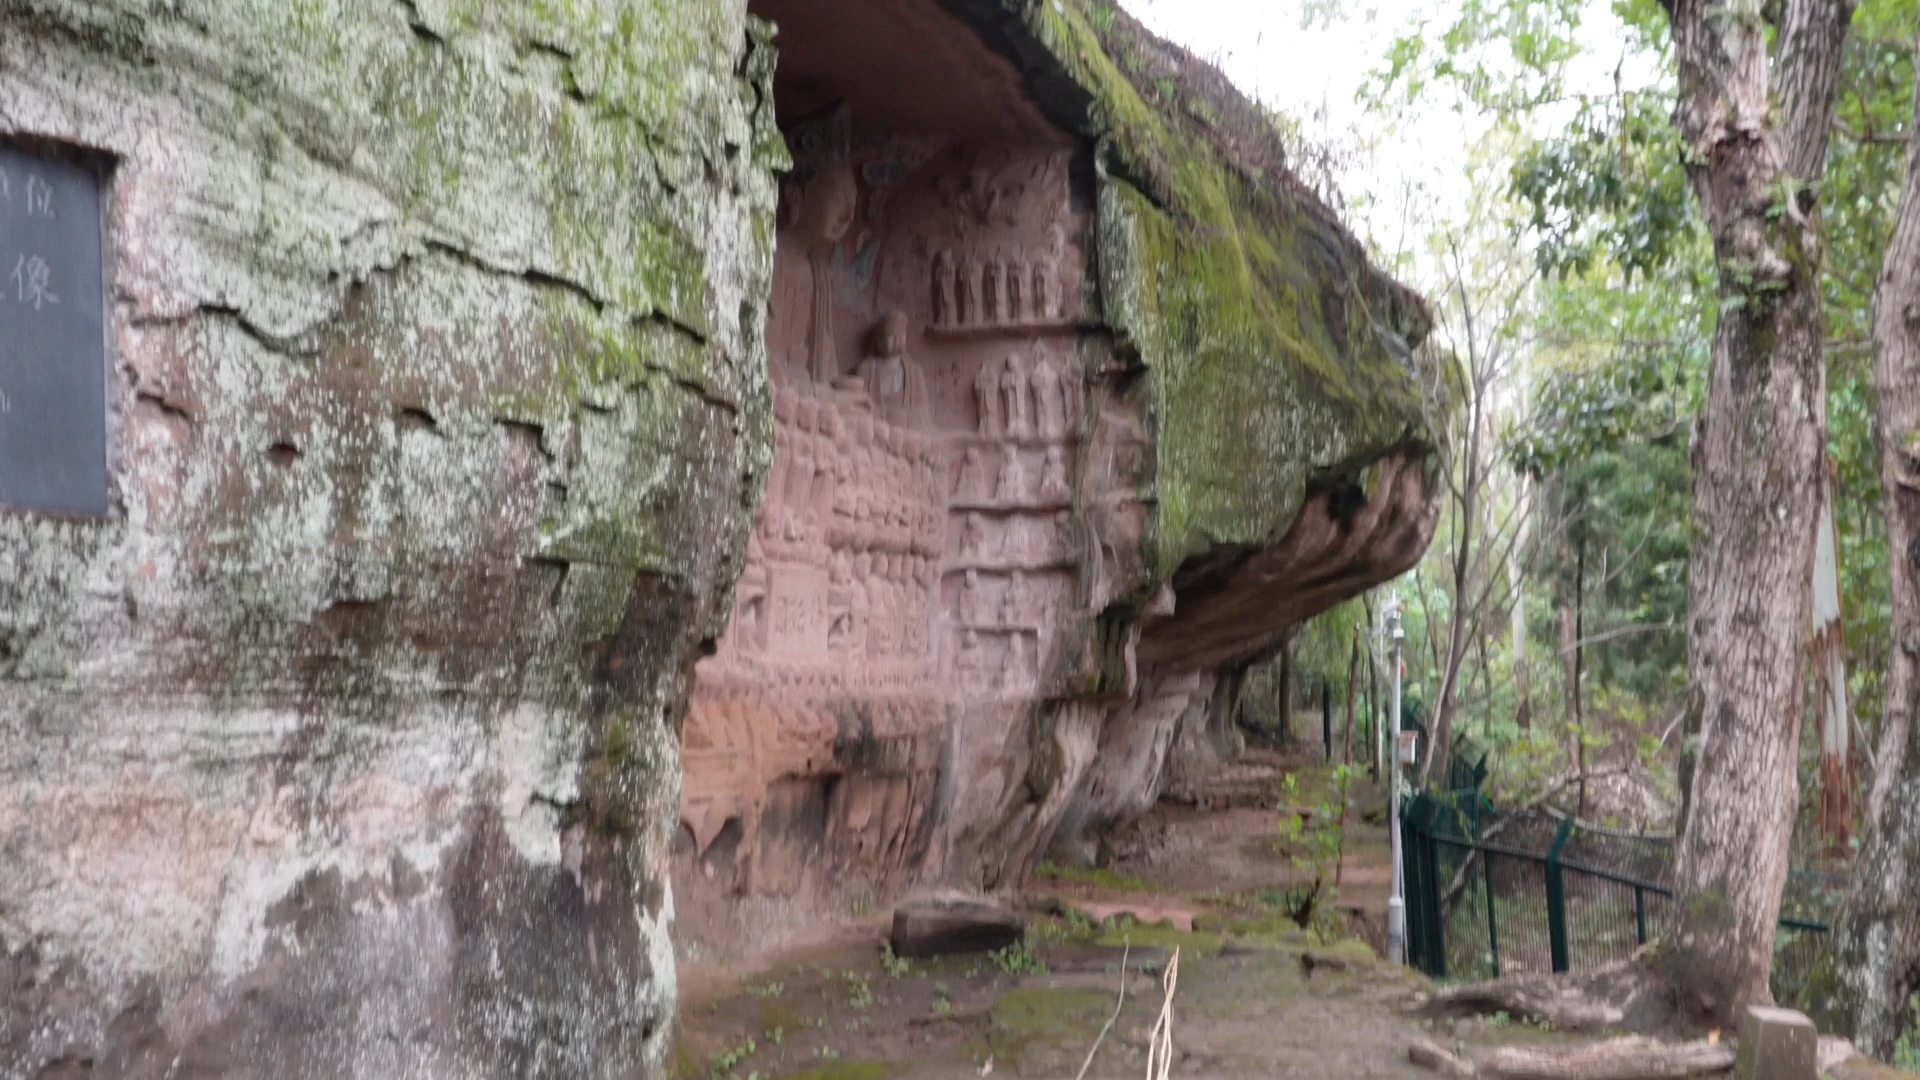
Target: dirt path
1256, 996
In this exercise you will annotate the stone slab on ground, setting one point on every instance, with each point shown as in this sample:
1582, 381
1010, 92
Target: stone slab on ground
1180, 918
1104, 959
1776, 1044
949, 926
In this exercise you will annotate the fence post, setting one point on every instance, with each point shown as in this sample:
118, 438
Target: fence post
1640, 912
1326, 716
1493, 929
1436, 922
1557, 898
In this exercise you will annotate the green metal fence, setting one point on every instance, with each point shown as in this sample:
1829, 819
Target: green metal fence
1490, 894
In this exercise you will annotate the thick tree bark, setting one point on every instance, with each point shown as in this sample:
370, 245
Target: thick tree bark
1755, 138
1877, 954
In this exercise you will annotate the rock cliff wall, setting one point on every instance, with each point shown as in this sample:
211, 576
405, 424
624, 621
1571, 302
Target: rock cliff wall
1079, 402
929, 412
346, 742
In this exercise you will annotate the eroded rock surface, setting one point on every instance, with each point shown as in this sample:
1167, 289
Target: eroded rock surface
1079, 403
346, 743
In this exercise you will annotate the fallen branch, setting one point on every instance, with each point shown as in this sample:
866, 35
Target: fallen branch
1125, 952
1431, 1055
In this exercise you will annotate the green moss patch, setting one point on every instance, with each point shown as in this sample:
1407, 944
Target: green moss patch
1190, 943
1267, 336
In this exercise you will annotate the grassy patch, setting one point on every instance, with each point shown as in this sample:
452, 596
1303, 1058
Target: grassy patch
1128, 932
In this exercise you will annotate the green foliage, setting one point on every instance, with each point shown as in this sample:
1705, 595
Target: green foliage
1906, 1054
898, 967
727, 1060
1314, 841
859, 990
1018, 959
1610, 190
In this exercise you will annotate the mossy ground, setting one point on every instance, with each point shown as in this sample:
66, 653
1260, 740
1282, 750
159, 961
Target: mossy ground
1245, 1004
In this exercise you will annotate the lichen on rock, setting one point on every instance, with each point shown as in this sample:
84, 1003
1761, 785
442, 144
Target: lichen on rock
346, 744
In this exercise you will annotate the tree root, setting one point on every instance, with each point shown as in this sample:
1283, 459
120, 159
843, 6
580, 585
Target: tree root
1627, 994
1627, 1058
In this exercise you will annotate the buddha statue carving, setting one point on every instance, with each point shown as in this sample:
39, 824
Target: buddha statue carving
894, 383
800, 318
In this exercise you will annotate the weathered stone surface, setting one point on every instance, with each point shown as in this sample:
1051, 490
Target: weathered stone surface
1080, 402
948, 926
1776, 1044
346, 744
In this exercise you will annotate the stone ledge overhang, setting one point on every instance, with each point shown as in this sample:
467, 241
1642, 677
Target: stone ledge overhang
1295, 446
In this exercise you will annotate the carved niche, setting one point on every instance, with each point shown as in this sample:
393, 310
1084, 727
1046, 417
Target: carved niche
917, 544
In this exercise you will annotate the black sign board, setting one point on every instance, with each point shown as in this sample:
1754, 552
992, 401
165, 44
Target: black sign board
53, 333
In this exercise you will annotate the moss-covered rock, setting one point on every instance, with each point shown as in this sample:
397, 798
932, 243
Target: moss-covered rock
439, 410
1278, 356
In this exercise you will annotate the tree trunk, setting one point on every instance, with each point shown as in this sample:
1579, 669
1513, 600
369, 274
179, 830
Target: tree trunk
1353, 685
1755, 136
1577, 668
1373, 699
1877, 939
1830, 681
1283, 692
1517, 614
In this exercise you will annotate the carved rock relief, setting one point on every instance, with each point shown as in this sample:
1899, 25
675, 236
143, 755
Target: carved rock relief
918, 546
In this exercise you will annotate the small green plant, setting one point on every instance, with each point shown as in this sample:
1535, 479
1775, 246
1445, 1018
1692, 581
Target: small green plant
1017, 959
898, 967
827, 1053
1315, 839
777, 1036
859, 990
1906, 1052
725, 1061
942, 1005
765, 990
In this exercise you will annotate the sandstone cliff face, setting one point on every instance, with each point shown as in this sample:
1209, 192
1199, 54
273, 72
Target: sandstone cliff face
1079, 402
510, 403
346, 743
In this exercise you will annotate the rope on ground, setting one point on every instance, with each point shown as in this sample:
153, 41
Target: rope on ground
1126, 950
1160, 1039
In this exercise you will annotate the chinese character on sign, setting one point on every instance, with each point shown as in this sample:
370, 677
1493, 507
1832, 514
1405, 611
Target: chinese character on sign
39, 198
30, 281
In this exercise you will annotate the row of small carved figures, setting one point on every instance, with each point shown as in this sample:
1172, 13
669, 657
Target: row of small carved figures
804, 534
1021, 399
1021, 536
807, 468
1010, 485
1018, 668
998, 290
836, 421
